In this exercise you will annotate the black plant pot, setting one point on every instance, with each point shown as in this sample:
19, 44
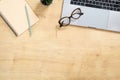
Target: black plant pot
46, 2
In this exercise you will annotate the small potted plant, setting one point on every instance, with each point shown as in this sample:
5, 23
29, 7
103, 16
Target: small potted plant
46, 2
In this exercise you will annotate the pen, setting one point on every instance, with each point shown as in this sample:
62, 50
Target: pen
28, 19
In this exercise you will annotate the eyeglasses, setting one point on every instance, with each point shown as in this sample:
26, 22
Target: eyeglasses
65, 21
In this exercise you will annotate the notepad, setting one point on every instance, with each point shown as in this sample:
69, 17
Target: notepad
14, 14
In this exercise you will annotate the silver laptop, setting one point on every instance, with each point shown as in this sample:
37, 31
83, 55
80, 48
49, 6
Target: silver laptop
100, 14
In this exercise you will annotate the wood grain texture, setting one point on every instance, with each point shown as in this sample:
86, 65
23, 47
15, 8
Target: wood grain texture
71, 53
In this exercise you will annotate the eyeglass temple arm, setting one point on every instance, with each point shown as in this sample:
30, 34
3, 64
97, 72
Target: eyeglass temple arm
81, 13
60, 23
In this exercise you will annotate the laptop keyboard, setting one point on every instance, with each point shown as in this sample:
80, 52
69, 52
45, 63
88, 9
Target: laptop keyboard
102, 4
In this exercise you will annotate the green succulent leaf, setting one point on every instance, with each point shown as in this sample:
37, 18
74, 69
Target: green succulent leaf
48, 1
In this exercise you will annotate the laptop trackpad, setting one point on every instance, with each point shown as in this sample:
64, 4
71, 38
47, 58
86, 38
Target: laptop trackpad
97, 18
114, 23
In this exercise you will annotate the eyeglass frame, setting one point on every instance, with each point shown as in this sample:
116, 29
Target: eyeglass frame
61, 23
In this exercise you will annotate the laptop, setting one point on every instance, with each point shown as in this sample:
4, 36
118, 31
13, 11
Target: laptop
99, 14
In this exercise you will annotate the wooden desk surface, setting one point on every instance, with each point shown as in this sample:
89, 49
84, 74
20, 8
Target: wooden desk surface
71, 53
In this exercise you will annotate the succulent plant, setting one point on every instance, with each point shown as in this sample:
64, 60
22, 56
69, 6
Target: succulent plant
46, 2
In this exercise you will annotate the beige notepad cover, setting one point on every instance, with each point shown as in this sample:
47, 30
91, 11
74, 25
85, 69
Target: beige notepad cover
13, 12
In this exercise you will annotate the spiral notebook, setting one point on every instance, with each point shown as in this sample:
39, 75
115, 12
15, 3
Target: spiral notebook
14, 14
